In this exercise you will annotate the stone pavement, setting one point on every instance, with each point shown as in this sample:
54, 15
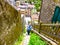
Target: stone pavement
25, 40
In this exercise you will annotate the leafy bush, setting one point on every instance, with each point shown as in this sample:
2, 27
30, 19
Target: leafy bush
37, 4
36, 40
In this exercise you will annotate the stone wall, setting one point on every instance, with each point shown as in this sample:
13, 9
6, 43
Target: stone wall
10, 24
47, 10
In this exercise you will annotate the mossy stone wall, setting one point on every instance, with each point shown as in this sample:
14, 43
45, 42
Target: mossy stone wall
10, 24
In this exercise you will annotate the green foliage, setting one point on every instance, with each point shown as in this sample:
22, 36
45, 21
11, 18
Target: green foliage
36, 40
24, 30
19, 40
37, 4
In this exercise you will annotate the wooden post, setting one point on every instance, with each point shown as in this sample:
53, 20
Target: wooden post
40, 12
40, 26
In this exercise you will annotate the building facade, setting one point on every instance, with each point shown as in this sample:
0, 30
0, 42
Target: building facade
47, 10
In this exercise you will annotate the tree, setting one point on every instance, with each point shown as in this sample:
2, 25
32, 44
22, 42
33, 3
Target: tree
37, 4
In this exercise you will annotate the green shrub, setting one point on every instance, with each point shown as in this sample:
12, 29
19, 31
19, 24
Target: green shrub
36, 40
37, 4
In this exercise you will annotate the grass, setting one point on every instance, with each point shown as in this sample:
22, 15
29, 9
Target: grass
36, 40
24, 30
19, 40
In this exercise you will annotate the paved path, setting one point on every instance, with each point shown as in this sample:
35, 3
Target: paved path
25, 40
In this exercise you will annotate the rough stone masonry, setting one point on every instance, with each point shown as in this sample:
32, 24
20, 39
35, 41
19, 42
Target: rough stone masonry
10, 24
